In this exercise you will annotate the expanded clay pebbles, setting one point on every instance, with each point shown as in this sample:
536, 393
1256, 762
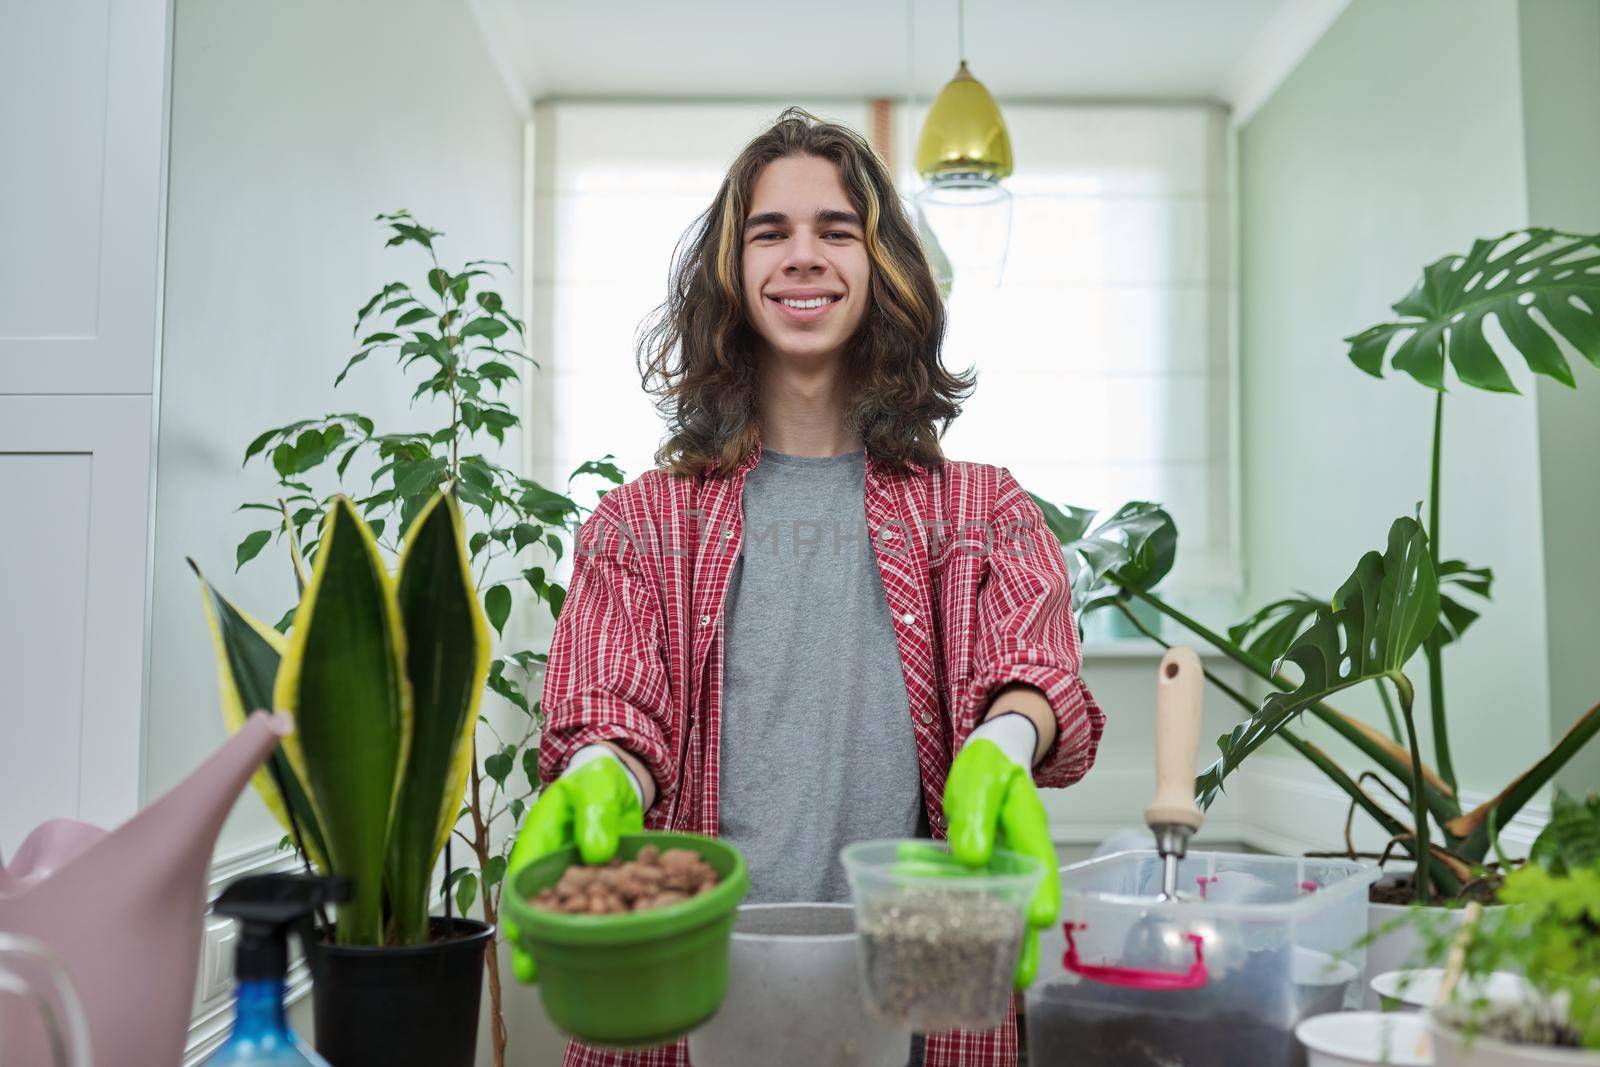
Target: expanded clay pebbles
936, 959
652, 879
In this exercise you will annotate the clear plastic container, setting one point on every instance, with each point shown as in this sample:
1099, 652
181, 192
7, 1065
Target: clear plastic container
1217, 978
794, 992
938, 941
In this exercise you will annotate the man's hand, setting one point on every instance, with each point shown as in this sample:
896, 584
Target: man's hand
592, 805
990, 798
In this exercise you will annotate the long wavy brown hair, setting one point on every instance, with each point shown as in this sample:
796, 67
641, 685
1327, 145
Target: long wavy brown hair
697, 352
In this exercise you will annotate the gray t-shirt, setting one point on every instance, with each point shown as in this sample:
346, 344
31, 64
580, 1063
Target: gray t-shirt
817, 742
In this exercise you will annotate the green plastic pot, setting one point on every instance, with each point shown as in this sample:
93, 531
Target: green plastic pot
637, 979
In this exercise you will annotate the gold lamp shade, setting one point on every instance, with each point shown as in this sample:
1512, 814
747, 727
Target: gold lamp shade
964, 138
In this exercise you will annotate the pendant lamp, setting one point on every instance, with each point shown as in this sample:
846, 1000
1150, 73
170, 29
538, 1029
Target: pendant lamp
963, 155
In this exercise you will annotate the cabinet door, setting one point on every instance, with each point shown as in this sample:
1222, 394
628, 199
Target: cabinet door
74, 523
82, 86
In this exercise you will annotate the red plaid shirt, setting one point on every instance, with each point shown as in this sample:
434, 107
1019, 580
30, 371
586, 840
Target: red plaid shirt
978, 591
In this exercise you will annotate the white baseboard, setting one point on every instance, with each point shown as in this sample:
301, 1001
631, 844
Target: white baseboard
212, 1017
1113, 797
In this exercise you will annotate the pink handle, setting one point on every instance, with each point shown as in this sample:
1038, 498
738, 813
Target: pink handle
1136, 977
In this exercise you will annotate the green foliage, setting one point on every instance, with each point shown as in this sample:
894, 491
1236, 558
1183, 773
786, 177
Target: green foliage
451, 337
1507, 277
1269, 632
1134, 548
1371, 628
383, 676
1571, 839
1549, 932
1542, 287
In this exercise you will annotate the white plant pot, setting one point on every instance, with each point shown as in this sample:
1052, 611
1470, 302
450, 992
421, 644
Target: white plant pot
1354, 1038
1401, 947
1450, 1049
1418, 989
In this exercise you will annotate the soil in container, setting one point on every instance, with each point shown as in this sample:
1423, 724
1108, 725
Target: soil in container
1221, 1025
1400, 889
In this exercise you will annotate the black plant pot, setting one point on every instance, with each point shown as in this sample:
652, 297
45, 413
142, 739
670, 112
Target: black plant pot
377, 1007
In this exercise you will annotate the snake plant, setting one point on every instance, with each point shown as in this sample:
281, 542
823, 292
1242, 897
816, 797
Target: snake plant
383, 674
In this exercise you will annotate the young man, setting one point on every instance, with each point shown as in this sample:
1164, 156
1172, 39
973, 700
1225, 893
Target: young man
807, 627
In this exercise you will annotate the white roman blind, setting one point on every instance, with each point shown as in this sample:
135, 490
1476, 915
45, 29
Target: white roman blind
1102, 357
1103, 370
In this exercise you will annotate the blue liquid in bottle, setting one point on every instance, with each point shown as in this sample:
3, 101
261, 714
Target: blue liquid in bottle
261, 1033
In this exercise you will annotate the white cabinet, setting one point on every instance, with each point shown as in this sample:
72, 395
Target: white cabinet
82, 122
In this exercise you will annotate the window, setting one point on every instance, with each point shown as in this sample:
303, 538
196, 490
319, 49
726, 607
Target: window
1102, 360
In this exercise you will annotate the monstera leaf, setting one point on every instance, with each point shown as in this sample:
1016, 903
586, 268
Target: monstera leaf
1455, 616
1508, 277
1135, 547
1374, 624
1269, 632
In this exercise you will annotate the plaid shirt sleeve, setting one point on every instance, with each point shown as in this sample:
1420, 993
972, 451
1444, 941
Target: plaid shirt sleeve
1026, 633
607, 679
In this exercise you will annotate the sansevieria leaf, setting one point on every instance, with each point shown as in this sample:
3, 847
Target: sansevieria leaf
1509, 278
343, 679
248, 652
447, 661
1376, 622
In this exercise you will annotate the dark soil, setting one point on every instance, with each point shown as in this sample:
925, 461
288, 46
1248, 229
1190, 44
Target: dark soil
1234, 1021
1400, 889
1517, 1025
1228, 1040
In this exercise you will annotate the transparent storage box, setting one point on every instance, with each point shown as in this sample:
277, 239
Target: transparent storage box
938, 941
1218, 978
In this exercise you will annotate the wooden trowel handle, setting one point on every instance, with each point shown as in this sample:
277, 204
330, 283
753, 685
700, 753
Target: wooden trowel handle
1178, 704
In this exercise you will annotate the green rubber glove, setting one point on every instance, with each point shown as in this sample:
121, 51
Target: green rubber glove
592, 807
988, 798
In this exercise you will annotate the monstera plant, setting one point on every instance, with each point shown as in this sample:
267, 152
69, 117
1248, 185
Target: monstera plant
1396, 603
383, 675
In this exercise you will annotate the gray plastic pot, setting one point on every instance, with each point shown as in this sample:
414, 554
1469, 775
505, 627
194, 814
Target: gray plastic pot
794, 995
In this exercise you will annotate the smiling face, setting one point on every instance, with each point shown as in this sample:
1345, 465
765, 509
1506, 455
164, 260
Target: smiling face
805, 265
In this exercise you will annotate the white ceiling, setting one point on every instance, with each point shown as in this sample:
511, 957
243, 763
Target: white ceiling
1122, 49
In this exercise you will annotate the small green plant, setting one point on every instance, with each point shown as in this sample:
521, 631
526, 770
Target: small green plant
453, 337
1401, 601
1549, 932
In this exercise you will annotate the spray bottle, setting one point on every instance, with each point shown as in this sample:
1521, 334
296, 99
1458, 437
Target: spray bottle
269, 907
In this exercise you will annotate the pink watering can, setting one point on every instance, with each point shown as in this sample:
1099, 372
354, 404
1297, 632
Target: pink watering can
121, 914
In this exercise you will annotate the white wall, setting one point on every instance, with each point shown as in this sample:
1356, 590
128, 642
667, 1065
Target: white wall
1560, 45
293, 124
1397, 140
